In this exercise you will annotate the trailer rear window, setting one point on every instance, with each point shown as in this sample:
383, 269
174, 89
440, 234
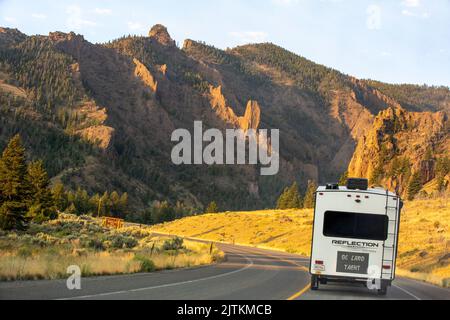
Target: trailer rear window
356, 226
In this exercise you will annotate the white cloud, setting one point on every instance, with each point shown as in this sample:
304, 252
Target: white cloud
10, 19
39, 16
412, 8
411, 3
409, 13
103, 11
373, 17
135, 26
75, 18
285, 2
249, 36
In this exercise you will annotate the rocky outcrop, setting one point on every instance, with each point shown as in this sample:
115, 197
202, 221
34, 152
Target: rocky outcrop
98, 135
162, 69
10, 36
219, 105
144, 74
252, 117
94, 128
371, 98
250, 120
61, 36
399, 144
160, 34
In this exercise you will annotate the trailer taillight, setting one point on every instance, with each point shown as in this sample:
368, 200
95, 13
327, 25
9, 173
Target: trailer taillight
319, 266
387, 267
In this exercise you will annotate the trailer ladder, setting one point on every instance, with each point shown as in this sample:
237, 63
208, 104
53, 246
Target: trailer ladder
393, 236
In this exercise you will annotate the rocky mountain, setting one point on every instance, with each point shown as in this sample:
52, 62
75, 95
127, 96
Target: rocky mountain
401, 143
101, 116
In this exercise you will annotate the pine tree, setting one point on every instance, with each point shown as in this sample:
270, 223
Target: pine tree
282, 202
13, 186
60, 197
294, 198
42, 204
415, 185
105, 205
290, 198
123, 204
95, 203
310, 199
377, 175
343, 179
114, 200
212, 208
442, 170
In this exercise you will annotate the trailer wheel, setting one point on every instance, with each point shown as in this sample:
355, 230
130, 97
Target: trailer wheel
384, 289
314, 283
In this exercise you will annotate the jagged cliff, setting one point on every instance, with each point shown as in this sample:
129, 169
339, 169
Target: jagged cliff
107, 112
399, 144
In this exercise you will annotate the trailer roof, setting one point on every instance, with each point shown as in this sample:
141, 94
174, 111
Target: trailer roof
379, 191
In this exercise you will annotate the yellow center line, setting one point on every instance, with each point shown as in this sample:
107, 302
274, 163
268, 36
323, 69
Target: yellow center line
300, 267
300, 293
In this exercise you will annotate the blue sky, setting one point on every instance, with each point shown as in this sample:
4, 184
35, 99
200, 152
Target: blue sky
396, 41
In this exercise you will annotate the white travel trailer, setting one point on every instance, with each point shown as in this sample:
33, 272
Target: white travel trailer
355, 235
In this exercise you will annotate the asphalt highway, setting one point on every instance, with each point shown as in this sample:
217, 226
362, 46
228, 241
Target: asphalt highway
247, 274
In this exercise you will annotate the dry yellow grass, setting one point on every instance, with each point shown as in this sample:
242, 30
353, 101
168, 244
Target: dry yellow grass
288, 230
424, 239
424, 251
48, 255
53, 265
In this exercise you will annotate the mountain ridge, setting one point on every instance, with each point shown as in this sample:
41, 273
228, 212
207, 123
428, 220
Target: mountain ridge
124, 98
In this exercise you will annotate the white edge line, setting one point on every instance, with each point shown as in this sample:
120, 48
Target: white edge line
250, 264
409, 293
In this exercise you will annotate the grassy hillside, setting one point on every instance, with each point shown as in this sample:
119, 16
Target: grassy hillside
45, 251
424, 241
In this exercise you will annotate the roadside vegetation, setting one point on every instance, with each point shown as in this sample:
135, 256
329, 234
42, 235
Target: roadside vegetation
46, 250
424, 252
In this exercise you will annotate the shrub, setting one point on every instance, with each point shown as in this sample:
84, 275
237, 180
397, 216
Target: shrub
130, 242
173, 244
446, 283
95, 244
119, 242
43, 240
146, 265
25, 252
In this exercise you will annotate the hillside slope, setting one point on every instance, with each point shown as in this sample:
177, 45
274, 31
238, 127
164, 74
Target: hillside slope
101, 115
